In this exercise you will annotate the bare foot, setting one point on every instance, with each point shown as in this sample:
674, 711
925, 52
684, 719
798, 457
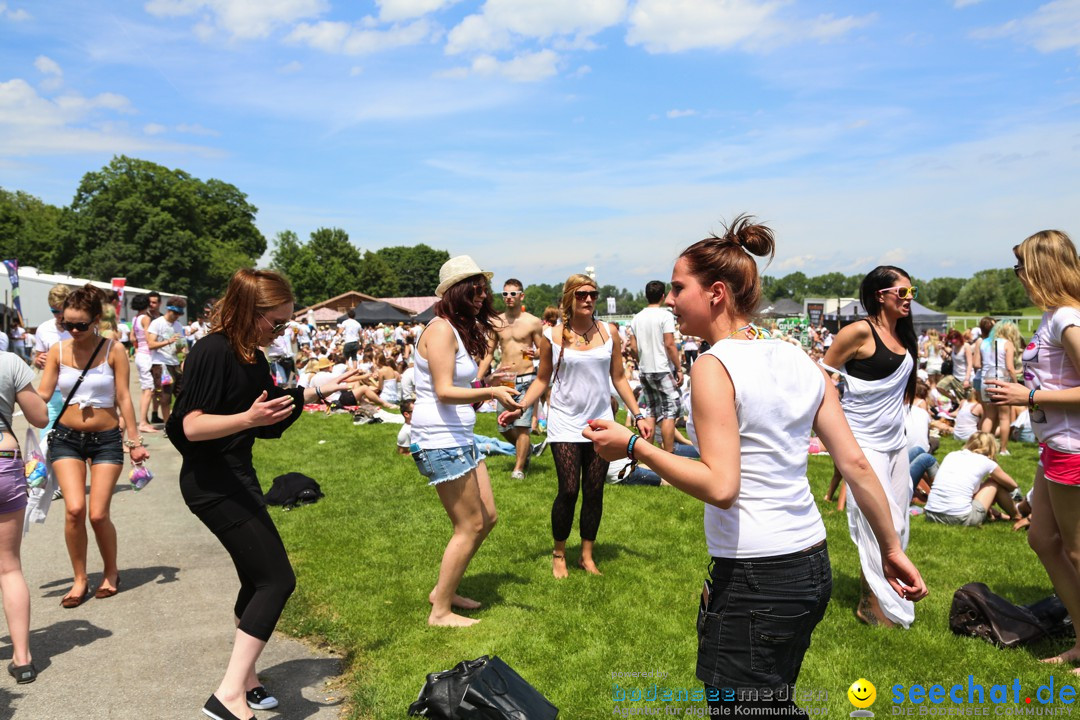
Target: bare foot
558, 566
148, 429
588, 566
450, 620
458, 601
1071, 655
1021, 524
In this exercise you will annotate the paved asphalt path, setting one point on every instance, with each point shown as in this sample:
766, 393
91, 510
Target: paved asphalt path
159, 647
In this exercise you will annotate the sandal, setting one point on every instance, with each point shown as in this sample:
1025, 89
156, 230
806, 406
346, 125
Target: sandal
22, 673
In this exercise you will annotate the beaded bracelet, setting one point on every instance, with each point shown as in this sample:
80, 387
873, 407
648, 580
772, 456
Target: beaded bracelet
1031, 399
630, 447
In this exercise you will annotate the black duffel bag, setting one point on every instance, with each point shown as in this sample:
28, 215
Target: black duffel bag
481, 689
977, 612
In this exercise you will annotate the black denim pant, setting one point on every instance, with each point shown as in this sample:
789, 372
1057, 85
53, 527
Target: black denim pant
756, 629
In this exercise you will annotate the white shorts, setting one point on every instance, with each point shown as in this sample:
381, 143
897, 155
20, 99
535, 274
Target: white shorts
142, 364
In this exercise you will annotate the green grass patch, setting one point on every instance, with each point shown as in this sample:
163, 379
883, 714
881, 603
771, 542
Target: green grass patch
367, 555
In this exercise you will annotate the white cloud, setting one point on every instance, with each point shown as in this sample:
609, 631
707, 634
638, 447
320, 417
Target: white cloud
572, 21
244, 19
47, 66
32, 124
292, 67
1054, 26
527, 67
965, 3
14, 15
356, 70
674, 114
669, 26
154, 129
361, 38
394, 10
796, 262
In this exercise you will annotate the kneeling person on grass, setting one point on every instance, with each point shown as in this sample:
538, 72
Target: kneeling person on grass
968, 483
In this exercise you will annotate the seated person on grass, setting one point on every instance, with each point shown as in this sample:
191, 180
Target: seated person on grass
486, 445
968, 484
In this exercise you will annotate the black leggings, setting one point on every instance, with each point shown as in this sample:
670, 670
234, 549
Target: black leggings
266, 577
578, 462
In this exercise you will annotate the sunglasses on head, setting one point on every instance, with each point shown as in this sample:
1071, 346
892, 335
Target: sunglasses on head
1018, 268
904, 293
511, 293
590, 294
80, 326
54, 311
177, 310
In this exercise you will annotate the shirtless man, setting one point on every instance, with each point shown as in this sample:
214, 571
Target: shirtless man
518, 334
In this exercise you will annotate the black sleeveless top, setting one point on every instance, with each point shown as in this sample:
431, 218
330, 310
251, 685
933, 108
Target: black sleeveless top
878, 366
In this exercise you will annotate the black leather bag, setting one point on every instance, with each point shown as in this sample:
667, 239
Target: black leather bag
977, 612
481, 689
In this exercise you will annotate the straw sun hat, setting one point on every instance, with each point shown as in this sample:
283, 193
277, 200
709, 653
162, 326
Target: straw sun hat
457, 269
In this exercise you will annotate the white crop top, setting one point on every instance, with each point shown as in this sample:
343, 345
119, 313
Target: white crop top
98, 389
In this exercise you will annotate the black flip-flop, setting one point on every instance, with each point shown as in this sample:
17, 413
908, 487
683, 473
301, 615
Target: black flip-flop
22, 673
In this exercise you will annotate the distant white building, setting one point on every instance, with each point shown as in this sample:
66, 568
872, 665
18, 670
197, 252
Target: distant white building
34, 289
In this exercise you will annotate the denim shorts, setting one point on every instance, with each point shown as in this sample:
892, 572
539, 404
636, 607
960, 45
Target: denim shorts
441, 465
521, 386
102, 448
756, 627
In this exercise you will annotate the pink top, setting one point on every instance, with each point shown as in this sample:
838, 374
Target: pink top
1047, 367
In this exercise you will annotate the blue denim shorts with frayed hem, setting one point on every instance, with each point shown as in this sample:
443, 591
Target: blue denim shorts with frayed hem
100, 448
441, 465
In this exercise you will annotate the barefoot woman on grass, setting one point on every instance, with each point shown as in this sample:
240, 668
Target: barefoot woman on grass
443, 419
579, 368
228, 400
1047, 265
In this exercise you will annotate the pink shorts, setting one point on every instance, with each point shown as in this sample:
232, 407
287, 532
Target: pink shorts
1059, 467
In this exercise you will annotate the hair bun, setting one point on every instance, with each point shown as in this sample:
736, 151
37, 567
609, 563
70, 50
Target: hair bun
755, 238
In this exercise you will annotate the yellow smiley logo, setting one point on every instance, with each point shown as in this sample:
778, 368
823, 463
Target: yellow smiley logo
862, 693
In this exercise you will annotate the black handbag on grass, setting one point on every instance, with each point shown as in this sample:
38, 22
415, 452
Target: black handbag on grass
481, 689
980, 613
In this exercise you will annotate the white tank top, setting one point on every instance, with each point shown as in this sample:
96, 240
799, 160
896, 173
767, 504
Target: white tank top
993, 359
778, 391
435, 424
875, 408
98, 389
580, 392
959, 363
966, 422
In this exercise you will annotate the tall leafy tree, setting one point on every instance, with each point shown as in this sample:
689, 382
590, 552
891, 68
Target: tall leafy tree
416, 268
29, 229
159, 228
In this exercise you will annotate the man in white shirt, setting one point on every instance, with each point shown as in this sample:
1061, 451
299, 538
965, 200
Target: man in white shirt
653, 342
165, 338
47, 335
350, 335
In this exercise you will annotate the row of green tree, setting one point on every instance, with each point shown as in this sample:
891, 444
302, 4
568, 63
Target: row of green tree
994, 291
163, 228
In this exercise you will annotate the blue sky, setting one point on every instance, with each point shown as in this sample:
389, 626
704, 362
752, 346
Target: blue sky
541, 136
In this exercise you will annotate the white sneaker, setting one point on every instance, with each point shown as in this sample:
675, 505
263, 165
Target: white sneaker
517, 475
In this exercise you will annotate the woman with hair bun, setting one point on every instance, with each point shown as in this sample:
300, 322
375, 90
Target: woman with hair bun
228, 400
91, 374
754, 401
877, 358
1047, 265
578, 367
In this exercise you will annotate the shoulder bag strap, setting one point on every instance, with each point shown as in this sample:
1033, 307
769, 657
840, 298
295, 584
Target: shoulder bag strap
82, 376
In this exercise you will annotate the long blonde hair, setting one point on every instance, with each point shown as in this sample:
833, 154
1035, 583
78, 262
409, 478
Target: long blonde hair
1051, 271
566, 312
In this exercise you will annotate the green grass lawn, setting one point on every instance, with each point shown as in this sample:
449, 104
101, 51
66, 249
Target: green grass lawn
368, 553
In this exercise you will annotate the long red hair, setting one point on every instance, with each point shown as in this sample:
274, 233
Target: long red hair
236, 315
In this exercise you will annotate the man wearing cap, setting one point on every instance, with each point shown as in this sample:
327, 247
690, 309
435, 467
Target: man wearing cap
518, 335
165, 338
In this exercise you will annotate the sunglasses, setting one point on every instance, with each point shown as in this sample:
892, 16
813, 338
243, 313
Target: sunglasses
1018, 268
80, 326
590, 294
511, 293
177, 310
904, 293
54, 311
276, 328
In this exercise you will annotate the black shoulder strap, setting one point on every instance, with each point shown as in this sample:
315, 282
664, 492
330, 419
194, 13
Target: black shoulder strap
82, 376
